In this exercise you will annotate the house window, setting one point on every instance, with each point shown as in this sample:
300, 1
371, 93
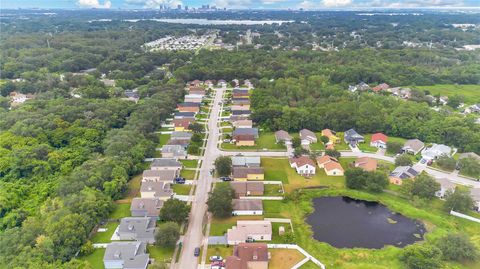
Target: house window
261, 237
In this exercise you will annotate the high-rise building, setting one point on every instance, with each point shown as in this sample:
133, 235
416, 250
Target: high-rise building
179, 7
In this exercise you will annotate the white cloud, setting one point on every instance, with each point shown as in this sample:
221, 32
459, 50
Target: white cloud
94, 3
155, 4
232, 3
306, 4
271, 2
412, 3
336, 3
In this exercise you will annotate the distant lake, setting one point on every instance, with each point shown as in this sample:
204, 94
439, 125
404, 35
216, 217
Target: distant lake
213, 22
344, 222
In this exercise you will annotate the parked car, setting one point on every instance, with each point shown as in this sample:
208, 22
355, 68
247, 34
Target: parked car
196, 252
216, 258
225, 179
217, 267
180, 180
218, 263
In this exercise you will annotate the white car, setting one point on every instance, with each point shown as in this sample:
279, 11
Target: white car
216, 258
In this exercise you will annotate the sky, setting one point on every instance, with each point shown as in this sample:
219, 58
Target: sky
239, 4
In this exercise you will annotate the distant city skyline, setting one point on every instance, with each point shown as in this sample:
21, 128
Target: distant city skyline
239, 4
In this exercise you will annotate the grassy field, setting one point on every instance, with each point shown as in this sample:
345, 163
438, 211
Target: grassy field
95, 259
181, 189
284, 258
163, 139
121, 211
471, 92
275, 209
104, 237
279, 169
264, 141
219, 250
160, 253
189, 163
187, 174
365, 147
272, 190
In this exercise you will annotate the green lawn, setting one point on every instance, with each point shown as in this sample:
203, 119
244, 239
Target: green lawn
264, 141
225, 123
166, 129
121, 211
342, 145
161, 254
219, 250
104, 237
189, 163
95, 259
275, 209
227, 130
471, 92
187, 174
272, 190
181, 189
163, 139
365, 147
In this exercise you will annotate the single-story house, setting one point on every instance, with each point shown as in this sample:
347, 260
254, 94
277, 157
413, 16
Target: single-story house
181, 135
222, 83
159, 175
284, 136
244, 107
182, 124
126, 255
381, 87
413, 146
249, 256
166, 164
404, 93
146, 207
240, 101
234, 118
366, 163
249, 231
445, 185
194, 98
379, 140
181, 142
307, 137
247, 207
248, 173
352, 138
173, 151
152, 189
475, 193
246, 131
241, 112
435, 151
244, 140
333, 139
247, 188
188, 107
240, 94
137, 229
472, 155
239, 161
401, 173
303, 165
243, 124
181, 115
331, 165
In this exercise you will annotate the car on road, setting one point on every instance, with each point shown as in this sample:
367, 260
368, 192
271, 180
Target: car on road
217, 267
225, 179
196, 252
180, 180
216, 258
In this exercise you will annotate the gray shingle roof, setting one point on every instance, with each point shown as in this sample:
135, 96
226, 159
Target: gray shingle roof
165, 162
132, 254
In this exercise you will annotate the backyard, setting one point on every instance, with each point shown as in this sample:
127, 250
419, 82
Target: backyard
264, 141
470, 92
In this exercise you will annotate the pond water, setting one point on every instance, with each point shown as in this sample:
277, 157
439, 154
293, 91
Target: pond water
344, 222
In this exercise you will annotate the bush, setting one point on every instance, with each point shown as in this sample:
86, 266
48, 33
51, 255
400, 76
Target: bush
457, 247
422, 257
446, 162
394, 147
403, 160
458, 200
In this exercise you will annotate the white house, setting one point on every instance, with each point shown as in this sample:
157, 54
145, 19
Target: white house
379, 140
247, 207
249, 231
445, 185
303, 165
435, 151
307, 137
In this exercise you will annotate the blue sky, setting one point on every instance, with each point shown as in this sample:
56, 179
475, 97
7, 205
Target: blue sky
273, 4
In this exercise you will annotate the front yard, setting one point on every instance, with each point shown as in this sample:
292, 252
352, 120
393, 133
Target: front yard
181, 189
189, 163
187, 174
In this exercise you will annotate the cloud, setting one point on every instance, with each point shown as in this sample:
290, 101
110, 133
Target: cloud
271, 2
155, 4
306, 4
336, 3
412, 3
233, 3
94, 3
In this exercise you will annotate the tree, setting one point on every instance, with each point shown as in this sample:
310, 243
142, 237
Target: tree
457, 247
296, 142
355, 178
223, 165
403, 160
196, 137
193, 149
333, 153
455, 100
196, 127
174, 210
220, 201
424, 187
394, 147
446, 162
299, 151
376, 182
422, 257
324, 139
167, 234
470, 166
458, 200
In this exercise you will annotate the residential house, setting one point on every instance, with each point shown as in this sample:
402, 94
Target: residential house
366, 163
303, 165
181, 135
405, 93
166, 164
159, 175
401, 173
283, 136
193, 98
247, 207
246, 131
137, 229
475, 193
241, 112
234, 118
413, 146
182, 115
131, 95
435, 151
240, 101
181, 142
173, 151
108, 82
331, 165
195, 83
379, 140
182, 125
247, 188
240, 93
352, 138
445, 185
248, 84
197, 91
249, 256
188, 107
473, 109
472, 155
236, 82
222, 83
362, 86
241, 161
146, 207
381, 87
307, 137
19, 98
153, 189
209, 83
244, 140
249, 231
248, 173
126, 255
332, 138
244, 107
242, 124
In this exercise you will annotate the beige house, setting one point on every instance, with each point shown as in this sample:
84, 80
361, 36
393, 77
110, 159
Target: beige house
242, 124
249, 231
331, 165
160, 190
249, 256
159, 175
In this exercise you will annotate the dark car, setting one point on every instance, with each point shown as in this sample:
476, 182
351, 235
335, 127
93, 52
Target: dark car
180, 180
196, 252
225, 179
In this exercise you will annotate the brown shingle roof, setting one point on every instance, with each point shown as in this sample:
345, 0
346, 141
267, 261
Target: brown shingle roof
247, 204
247, 252
182, 122
243, 172
244, 137
366, 163
241, 187
302, 160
